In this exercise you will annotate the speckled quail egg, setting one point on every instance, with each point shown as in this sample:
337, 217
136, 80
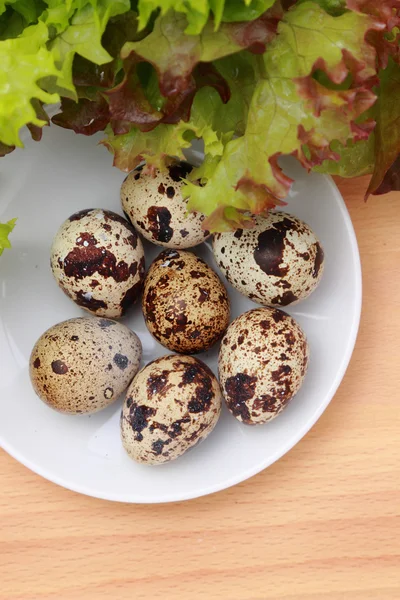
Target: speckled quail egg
155, 206
278, 262
97, 259
171, 405
82, 365
185, 304
262, 363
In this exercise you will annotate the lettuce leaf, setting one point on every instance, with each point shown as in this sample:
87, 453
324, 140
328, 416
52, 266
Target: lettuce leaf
197, 12
356, 158
165, 141
210, 119
174, 54
5, 230
286, 118
387, 132
24, 61
81, 34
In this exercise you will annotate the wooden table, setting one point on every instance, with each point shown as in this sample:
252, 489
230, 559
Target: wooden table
321, 524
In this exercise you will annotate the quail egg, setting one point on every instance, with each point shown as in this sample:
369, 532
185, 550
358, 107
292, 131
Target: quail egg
262, 363
185, 304
82, 365
278, 262
155, 206
97, 259
171, 405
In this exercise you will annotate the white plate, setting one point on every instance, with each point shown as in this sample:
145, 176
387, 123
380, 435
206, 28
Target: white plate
45, 184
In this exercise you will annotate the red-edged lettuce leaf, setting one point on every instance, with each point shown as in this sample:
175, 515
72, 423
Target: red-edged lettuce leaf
174, 54
170, 140
210, 119
287, 115
387, 132
85, 116
129, 102
355, 158
386, 40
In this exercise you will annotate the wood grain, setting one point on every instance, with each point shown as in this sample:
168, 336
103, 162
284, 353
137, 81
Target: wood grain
321, 524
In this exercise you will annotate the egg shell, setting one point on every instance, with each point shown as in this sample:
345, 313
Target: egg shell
171, 405
185, 304
262, 363
278, 262
82, 365
97, 259
155, 206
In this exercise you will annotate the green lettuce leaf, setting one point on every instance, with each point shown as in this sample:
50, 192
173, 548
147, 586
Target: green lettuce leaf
333, 7
197, 12
285, 118
82, 35
238, 10
24, 62
5, 230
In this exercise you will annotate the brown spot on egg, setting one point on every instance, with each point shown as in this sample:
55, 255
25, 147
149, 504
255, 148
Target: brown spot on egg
59, 367
139, 418
265, 403
179, 170
204, 295
197, 274
240, 388
36, 363
269, 251
159, 218
161, 189
132, 240
121, 361
286, 298
201, 399
86, 300
319, 259
158, 446
281, 372
86, 239
80, 214
131, 296
184, 233
157, 384
109, 215
170, 191
238, 233
86, 260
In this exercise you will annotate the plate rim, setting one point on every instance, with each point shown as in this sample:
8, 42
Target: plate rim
293, 440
